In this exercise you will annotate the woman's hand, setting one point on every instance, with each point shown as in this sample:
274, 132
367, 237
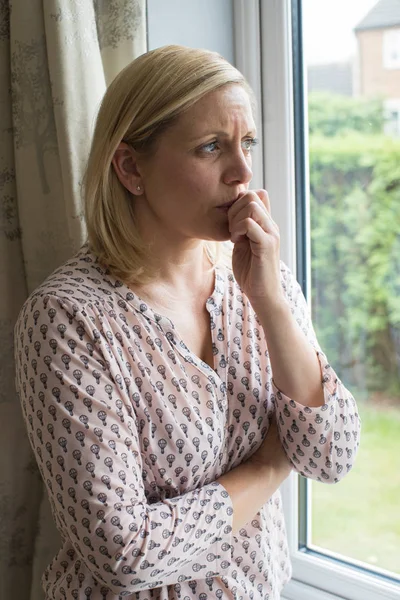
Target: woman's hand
255, 259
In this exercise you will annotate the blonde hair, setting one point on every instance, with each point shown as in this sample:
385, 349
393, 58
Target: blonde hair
142, 101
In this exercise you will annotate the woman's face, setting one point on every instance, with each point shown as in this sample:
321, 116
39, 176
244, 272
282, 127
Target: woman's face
201, 162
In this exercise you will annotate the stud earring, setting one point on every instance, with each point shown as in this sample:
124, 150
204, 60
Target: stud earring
138, 188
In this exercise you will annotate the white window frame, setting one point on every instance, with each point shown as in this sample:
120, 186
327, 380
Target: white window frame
391, 41
268, 68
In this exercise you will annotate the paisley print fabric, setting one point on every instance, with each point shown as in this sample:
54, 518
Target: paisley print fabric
131, 432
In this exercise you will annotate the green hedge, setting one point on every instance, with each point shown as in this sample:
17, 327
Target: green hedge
329, 114
355, 247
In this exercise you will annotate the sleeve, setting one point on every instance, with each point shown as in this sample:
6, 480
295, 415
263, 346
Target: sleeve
82, 427
321, 442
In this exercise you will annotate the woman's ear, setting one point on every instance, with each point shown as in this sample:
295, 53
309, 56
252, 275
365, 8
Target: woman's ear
125, 166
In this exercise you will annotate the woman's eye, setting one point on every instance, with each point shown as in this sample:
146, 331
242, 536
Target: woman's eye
247, 144
250, 143
210, 147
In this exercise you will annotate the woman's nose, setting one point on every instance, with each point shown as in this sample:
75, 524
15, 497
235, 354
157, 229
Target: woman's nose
238, 168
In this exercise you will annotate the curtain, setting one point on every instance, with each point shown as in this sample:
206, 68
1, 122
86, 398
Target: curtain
56, 60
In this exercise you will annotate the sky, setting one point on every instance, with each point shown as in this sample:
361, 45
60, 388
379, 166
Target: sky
327, 28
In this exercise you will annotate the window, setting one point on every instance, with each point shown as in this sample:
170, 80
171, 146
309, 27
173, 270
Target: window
391, 49
354, 290
391, 109
338, 208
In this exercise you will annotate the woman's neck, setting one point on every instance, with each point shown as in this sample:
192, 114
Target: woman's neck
185, 287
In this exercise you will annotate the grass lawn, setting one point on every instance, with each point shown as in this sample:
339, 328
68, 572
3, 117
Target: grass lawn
360, 516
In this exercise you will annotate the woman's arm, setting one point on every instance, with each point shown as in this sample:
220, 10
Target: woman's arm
252, 483
317, 416
294, 362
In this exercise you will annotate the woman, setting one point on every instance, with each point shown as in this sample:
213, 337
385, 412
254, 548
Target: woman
168, 396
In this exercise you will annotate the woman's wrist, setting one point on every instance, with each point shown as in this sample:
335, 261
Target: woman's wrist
271, 468
273, 308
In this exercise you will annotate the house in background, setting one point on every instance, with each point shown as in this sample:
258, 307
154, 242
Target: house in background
378, 72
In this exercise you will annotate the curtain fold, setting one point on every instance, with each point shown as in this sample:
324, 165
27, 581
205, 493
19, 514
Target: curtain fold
56, 59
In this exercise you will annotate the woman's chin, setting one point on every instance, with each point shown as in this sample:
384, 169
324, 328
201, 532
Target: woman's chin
220, 233
218, 237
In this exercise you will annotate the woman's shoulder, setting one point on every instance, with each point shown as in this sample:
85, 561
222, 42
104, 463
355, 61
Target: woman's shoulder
84, 293
80, 282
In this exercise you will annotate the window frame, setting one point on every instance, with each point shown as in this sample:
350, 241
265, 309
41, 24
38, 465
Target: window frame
268, 50
390, 42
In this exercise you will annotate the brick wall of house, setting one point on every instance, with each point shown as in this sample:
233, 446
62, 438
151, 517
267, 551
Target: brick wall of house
373, 77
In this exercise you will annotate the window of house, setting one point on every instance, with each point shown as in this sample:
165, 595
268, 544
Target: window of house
391, 109
332, 172
391, 49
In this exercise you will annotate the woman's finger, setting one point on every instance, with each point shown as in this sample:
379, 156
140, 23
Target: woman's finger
264, 197
258, 213
249, 228
249, 196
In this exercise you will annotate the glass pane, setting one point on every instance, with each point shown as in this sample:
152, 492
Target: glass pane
352, 54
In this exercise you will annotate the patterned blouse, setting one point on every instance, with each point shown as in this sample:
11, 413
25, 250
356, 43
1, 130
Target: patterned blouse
131, 432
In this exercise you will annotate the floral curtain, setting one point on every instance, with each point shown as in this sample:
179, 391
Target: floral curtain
56, 59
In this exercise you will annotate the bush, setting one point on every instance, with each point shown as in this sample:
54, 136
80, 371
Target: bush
330, 114
355, 246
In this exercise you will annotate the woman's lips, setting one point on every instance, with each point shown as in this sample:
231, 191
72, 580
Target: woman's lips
225, 207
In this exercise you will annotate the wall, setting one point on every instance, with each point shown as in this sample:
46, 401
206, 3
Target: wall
196, 23
374, 78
